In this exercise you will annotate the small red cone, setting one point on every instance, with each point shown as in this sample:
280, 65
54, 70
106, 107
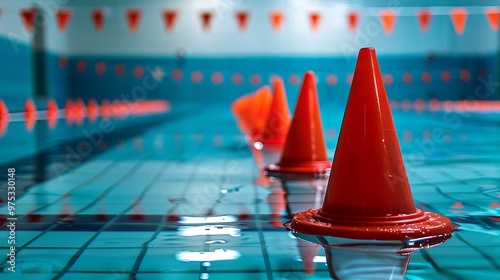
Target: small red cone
305, 150
52, 113
30, 114
97, 16
368, 195
278, 120
239, 108
258, 111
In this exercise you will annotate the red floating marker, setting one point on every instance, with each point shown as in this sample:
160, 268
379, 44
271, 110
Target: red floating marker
62, 17
368, 195
197, 77
79, 109
352, 21
331, 79
92, 110
101, 214
138, 71
493, 17
106, 112
28, 18
255, 79
97, 16
4, 118
278, 120
294, 80
169, 17
407, 78
277, 18
33, 217
100, 68
52, 113
206, 20
464, 75
119, 69
388, 79
305, 150
30, 114
242, 20
133, 19
217, 78
177, 74
459, 19
426, 77
457, 205
445, 76
424, 19
314, 19
237, 78
388, 20
81, 66
63, 62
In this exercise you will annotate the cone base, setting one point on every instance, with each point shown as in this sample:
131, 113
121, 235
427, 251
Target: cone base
420, 225
311, 169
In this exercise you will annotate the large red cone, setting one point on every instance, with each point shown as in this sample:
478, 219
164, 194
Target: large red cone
368, 195
305, 150
278, 120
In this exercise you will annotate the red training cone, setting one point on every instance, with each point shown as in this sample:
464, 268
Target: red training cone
305, 150
368, 195
278, 121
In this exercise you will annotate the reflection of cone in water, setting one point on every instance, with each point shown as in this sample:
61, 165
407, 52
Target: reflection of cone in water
353, 262
278, 120
137, 212
304, 152
307, 252
262, 179
368, 195
277, 202
66, 209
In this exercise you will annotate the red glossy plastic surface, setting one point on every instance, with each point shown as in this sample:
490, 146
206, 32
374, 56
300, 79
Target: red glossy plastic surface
305, 150
368, 195
278, 121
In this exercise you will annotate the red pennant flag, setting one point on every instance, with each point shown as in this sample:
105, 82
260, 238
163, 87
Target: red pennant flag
277, 18
169, 16
206, 20
424, 19
133, 19
314, 19
493, 17
242, 20
388, 21
98, 18
459, 19
62, 17
352, 21
28, 18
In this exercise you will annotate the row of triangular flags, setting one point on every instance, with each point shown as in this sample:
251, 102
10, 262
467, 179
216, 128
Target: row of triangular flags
387, 19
